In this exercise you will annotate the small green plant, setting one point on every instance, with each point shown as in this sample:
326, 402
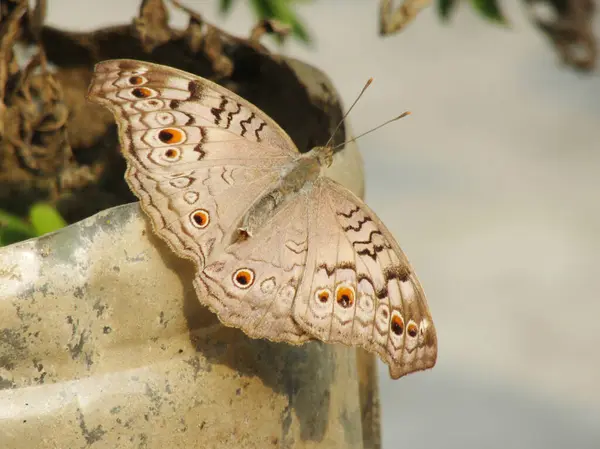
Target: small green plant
281, 10
489, 9
42, 219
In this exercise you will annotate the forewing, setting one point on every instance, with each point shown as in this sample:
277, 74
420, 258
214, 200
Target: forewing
198, 155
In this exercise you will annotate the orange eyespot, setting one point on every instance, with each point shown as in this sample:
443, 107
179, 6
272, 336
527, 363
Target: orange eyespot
243, 278
412, 329
344, 296
200, 218
397, 325
323, 295
141, 92
172, 153
170, 135
136, 80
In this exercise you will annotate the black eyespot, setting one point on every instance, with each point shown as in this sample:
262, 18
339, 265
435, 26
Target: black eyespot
412, 329
397, 325
344, 296
141, 92
170, 135
135, 80
243, 278
323, 295
200, 218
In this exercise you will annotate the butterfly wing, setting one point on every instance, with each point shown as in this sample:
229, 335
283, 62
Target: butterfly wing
253, 283
362, 289
198, 155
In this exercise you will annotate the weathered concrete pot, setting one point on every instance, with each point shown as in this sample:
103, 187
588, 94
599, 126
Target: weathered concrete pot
103, 344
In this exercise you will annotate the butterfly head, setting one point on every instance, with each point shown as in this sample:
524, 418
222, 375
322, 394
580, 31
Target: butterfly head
324, 155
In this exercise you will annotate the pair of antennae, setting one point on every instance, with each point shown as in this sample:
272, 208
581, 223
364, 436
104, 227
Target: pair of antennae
367, 84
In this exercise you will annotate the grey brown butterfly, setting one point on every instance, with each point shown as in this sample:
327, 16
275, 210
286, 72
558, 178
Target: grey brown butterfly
282, 252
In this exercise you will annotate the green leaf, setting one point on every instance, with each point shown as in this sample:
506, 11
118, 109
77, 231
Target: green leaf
299, 30
263, 8
225, 6
44, 218
9, 221
445, 7
282, 11
8, 236
489, 9
13, 229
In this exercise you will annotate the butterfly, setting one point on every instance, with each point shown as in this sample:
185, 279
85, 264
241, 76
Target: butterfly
282, 251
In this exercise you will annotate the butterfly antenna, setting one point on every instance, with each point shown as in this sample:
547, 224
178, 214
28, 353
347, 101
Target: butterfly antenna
404, 114
367, 84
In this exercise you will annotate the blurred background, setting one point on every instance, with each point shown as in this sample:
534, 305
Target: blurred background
491, 187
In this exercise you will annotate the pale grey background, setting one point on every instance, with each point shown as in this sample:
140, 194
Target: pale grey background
491, 187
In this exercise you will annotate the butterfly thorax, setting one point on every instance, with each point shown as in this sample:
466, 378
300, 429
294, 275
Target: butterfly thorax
296, 179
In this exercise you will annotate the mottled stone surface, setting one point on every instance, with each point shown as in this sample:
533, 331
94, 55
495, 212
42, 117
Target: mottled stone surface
104, 343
